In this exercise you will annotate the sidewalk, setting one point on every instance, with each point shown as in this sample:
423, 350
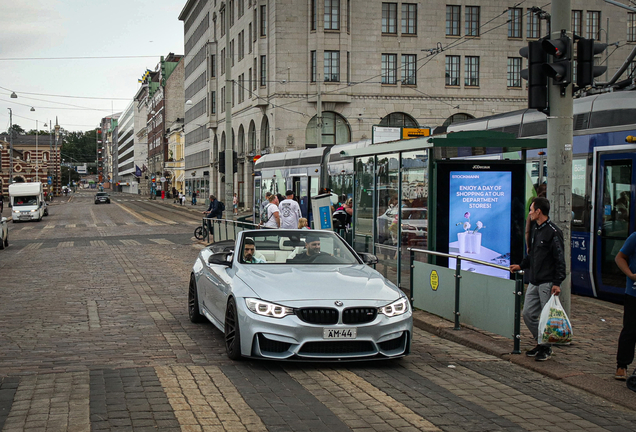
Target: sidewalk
588, 363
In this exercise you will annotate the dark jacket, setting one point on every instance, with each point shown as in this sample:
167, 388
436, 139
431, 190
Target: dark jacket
546, 259
214, 209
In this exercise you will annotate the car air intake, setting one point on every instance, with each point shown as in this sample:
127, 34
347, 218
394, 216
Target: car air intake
272, 346
318, 315
359, 315
393, 344
337, 347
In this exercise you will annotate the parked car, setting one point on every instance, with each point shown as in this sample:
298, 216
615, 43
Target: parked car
299, 305
4, 233
102, 197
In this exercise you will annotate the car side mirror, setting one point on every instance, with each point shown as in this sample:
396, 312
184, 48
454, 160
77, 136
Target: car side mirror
368, 258
221, 258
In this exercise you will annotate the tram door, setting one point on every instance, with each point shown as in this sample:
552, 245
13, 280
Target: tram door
614, 219
301, 188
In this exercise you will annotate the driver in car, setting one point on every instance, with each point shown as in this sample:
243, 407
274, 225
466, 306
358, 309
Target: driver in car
249, 249
312, 251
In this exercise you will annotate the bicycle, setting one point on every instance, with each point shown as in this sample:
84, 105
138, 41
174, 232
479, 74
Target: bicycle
200, 232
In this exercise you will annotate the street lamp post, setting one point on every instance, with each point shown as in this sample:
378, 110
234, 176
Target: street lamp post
36, 151
10, 146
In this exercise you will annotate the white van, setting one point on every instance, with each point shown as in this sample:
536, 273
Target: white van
27, 201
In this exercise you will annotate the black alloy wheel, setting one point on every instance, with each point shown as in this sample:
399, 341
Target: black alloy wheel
232, 332
200, 233
193, 302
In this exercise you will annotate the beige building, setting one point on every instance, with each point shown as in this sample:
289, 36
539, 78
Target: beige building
419, 63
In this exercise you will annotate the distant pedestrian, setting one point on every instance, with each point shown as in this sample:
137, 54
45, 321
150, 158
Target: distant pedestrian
626, 261
179, 198
174, 195
273, 214
183, 199
289, 211
194, 198
235, 204
213, 211
546, 261
303, 223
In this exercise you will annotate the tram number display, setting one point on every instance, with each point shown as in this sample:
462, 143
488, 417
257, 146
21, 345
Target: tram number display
581, 258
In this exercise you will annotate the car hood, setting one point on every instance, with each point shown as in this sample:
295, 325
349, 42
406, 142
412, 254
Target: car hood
317, 282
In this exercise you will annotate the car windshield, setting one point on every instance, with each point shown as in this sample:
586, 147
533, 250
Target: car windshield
294, 247
25, 200
102, 194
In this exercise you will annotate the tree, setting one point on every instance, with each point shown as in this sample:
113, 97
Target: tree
17, 129
81, 146
75, 177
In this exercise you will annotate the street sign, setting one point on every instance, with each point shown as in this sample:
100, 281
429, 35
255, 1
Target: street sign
163, 179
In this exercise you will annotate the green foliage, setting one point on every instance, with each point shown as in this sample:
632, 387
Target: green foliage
18, 129
65, 172
80, 146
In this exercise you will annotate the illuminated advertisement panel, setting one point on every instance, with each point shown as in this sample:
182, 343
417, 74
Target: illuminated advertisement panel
479, 214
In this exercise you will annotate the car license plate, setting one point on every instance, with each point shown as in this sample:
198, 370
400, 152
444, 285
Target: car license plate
346, 333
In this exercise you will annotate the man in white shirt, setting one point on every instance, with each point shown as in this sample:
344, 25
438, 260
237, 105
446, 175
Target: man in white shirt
289, 212
273, 214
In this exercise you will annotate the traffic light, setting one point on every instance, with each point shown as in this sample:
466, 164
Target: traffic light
585, 69
222, 162
537, 80
234, 162
560, 70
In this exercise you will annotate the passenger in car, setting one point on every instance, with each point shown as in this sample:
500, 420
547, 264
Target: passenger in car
249, 249
312, 250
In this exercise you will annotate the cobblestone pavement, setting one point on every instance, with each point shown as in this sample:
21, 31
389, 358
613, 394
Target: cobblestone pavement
94, 335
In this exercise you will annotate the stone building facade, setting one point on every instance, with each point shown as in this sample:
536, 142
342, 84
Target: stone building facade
373, 62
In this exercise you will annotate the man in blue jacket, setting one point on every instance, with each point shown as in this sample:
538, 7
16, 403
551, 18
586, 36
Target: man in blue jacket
626, 261
546, 261
213, 211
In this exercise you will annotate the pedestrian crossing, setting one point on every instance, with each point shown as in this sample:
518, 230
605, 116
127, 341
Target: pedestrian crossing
51, 226
101, 243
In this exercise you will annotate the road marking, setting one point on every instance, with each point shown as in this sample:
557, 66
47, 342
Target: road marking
48, 226
57, 401
70, 226
93, 315
65, 244
161, 241
91, 225
98, 243
32, 246
26, 228
204, 396
138, 216
130, 242
162, 219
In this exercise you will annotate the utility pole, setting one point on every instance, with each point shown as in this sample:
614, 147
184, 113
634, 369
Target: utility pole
10, 146
58, 172
324, 175
559, 159
229, 162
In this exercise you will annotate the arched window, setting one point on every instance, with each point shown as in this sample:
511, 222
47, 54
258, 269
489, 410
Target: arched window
457, 118
264, 133
398, 119
335, 130
251, 137
241, 140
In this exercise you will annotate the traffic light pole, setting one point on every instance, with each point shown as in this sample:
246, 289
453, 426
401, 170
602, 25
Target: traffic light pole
559, 159
229, 164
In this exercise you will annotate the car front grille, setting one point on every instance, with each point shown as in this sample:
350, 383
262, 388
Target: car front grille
393, 344
272, 346
359, 315
337, 347
325, 316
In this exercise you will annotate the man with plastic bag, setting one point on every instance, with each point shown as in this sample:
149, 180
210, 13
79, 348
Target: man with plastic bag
546, 262
626, 261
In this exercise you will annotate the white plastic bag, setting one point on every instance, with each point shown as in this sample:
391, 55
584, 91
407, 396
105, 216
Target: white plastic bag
554, 325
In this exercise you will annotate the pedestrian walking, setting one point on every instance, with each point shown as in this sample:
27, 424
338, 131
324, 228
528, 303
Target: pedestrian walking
174, 195
289, 211
194, 198
235, 204
626, 261
546, 261
183, 199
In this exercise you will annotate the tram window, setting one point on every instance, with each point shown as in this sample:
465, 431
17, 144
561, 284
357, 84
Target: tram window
580, 205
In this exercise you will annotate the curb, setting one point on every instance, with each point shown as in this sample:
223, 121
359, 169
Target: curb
617, 394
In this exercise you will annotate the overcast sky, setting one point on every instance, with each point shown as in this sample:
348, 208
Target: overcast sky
49, 32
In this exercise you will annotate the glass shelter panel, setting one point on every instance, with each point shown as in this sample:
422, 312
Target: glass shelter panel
388, 214
363, 204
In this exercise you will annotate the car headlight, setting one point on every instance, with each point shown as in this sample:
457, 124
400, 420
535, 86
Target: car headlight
264, 308
396, 308
33, 211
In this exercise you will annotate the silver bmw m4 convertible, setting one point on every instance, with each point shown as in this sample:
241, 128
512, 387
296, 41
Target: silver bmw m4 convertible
298, 295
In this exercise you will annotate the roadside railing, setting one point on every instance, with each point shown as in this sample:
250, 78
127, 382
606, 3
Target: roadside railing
225, 229
486, 302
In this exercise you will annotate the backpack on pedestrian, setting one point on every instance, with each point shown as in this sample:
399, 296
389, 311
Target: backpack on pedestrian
264, 215
340, 215
221, 207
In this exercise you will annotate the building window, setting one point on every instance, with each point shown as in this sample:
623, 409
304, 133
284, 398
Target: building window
241, 88
409, 18
255, 21
332, 14
389, 18
408, 69
472, 21
313, 66
349, 67
577, 22
514, 72
332, 66
213, 102
452, 70
222, 99
249, 88
249, 40
314, 14
241, 45
263, 20
348, 16
232, 51
471, 71
592, 23
534, 26
233, 92
631, 27
389, 68
255, 72
514, 23
263, 71
231, 5
223, 61
222, 23
213, 65
241, 7
452, 20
